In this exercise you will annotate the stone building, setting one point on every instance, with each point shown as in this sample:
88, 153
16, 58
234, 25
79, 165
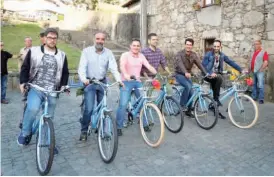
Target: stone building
235, 22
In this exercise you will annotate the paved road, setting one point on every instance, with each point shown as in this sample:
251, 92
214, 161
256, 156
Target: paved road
224, 150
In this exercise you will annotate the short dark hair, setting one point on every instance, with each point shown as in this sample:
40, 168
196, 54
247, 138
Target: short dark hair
42, 34
216, 40
189, 40
151, 35
51, 30
135, 39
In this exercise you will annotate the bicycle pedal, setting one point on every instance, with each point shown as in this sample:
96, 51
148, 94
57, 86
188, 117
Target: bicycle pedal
151, 124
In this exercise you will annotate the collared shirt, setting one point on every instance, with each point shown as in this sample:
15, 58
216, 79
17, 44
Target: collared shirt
94, 65
155, 58
23, 53
132, 64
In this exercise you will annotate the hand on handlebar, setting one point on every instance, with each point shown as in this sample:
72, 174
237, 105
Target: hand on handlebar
188, 75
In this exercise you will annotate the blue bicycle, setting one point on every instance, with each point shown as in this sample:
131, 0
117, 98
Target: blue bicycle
103, 123
205, 108
45, 139
242, 109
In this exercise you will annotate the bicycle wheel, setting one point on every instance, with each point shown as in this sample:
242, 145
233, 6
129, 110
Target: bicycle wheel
152, 125
45, 143
238, 111
206, 112
172, 114
107, 138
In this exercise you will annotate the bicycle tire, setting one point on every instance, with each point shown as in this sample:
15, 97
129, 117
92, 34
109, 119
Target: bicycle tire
181, 124
51, 149
115, 136
215, 109
255, 108
158, 142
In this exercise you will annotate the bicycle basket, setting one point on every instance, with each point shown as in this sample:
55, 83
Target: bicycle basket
150, 89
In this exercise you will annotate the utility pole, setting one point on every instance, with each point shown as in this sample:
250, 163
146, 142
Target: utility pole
143, 19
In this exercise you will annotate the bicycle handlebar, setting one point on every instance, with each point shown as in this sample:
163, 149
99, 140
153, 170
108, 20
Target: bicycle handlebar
63, 88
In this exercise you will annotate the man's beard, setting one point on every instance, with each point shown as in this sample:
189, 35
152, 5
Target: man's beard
99, 47
217, 51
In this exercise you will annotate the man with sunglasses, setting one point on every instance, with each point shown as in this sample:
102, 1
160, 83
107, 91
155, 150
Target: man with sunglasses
45, 66
213, 62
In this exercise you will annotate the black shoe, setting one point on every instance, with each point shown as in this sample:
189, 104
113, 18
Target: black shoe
119, 132
261, 102
221, 116
189, 113
83, 136
147, 129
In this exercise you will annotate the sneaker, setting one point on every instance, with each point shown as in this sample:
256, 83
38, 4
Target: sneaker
221, 116
119, 132
261, 102
83, 136
4, 102
189, 113
23, 140
55, 151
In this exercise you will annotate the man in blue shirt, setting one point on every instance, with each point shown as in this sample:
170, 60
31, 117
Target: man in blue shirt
95, 61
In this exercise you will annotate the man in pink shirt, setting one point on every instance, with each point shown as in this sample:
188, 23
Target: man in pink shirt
130, 65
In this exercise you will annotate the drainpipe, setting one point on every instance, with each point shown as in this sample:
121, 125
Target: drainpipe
143, 20
264, 21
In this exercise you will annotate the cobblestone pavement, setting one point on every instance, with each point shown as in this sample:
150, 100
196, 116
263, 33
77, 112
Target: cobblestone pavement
223, 150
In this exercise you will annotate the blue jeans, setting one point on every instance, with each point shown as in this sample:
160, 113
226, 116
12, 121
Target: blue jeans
4, 82
124, 99
34, 102
89, 100
258, 85
187, 84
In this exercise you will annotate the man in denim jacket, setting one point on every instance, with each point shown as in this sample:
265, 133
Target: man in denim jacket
213, 62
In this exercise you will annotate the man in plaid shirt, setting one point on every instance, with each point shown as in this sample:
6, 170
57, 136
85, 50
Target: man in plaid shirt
154, 55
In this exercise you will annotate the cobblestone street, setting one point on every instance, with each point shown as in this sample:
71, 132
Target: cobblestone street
223, 150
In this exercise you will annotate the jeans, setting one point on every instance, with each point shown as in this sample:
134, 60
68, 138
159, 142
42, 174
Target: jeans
187, 93
89, 100
34, 101
258, 85
4, 82
124, 99
216, 85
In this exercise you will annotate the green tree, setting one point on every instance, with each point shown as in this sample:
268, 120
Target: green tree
114, 2
91, 4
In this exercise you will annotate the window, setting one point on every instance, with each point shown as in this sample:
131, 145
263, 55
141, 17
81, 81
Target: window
209, 44
211, 2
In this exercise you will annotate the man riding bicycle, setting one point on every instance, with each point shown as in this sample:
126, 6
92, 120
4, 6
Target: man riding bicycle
95, 61
183, 65
213, 62
130, 65
47, 67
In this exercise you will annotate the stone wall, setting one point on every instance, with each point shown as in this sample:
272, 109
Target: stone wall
79, 25
236, 23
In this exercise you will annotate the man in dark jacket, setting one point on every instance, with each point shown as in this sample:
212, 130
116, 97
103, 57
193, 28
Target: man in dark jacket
47, 67
4, 73
183, 64
213, 62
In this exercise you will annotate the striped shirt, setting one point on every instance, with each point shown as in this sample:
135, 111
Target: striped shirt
155, 58
94, 65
